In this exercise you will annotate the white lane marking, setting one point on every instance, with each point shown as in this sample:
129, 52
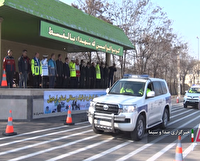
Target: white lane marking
174, 111
80, 150
36, 137
153, 142
189, 149
157, 155
41, 143
180, 114
38, 131
54, 148
108, 151
183, 118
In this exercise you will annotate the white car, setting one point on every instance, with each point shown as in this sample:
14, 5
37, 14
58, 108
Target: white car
145, 104
192, 97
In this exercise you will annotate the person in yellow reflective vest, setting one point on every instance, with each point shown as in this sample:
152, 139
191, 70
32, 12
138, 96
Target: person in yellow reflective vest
98, 75
36, 69
72, 68
141, 91
127, 89
192, 90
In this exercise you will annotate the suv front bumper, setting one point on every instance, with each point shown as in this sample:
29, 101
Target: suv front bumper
111, 122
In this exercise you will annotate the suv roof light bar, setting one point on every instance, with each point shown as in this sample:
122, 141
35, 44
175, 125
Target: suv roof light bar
143, 76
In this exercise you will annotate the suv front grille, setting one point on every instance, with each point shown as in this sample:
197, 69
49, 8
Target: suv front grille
109, 110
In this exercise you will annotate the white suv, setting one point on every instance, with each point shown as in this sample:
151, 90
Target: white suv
144, 104
192, 97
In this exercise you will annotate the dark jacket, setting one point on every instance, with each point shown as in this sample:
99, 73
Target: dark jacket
105, 72
59, 67
66, 70
24, 64
112, 69
83, 72
88, 73
93, 72
102, 72
9, 64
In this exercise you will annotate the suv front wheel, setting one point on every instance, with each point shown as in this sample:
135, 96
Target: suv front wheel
165, 119
139, 130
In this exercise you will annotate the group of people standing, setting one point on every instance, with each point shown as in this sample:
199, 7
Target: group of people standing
54, 73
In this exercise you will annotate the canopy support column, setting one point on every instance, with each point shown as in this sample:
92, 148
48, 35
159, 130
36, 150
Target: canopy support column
1, 20
108, 57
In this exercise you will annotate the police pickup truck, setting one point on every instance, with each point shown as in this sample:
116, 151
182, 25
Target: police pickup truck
134, 104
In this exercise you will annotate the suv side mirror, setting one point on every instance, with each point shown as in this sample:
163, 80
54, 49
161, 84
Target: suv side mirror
151, 94
107, 90
186, 91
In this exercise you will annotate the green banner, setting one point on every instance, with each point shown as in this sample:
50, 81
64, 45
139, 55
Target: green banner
55, 32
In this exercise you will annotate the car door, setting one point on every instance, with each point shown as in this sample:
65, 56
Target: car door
159, 102
151, 105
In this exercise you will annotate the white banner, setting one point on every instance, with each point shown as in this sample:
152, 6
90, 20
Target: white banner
59, 101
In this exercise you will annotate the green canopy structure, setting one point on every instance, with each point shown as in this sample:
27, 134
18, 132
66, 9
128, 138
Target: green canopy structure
32, 21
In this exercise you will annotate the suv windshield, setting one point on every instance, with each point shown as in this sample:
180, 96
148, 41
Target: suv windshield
194, 90
128, 88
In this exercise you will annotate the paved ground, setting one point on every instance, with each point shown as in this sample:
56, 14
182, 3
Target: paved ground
38, 141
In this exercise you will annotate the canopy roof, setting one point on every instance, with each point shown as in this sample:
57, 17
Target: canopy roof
22, 24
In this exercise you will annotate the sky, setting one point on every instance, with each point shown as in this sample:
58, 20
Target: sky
185, 15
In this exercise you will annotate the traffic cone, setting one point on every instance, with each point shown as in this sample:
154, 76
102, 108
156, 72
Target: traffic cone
4, 82
177, 100
9, 129
179, 155
69, 117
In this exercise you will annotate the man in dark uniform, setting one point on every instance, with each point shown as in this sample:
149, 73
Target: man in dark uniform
102, 74
93, 75
66, 73
88, 75
83, 74
59, 67
106, 76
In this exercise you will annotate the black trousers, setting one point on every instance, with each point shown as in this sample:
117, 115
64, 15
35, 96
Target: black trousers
9, 78
59, 80
66, 82
73, 82
98, 81
44, 81
36, 81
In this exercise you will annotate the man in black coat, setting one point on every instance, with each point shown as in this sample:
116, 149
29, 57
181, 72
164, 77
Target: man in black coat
88, 75
106, 70
59, 76
66, 72
83, 74
93, 75
24, 69
102, 74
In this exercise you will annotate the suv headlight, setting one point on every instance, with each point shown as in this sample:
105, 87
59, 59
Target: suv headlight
127, 108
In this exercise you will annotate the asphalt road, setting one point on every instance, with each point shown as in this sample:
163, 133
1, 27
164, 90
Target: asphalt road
38, 141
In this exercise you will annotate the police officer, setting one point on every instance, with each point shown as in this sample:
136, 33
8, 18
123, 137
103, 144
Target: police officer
72, 67
36, 70
98, 75
45, 72
127, 89
141, 91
